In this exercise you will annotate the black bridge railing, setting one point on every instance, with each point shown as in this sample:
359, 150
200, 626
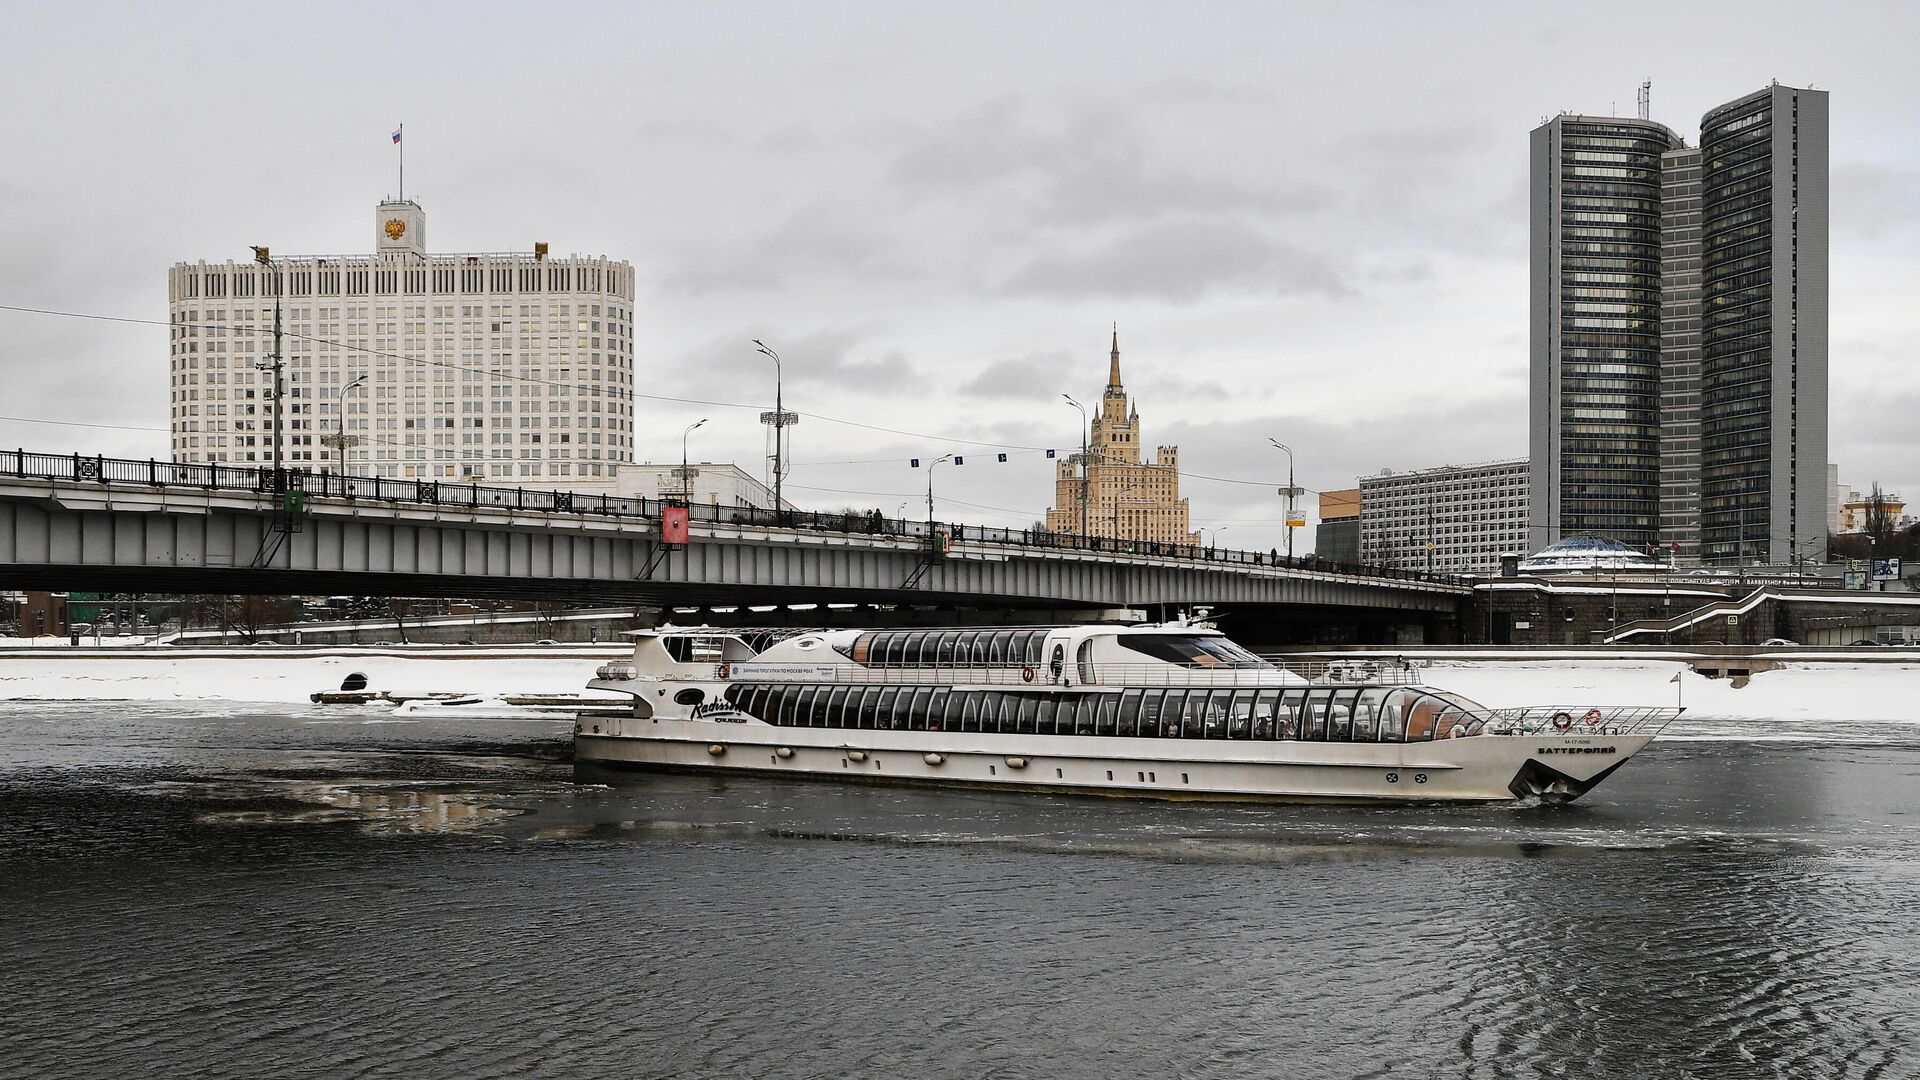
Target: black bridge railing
302, 484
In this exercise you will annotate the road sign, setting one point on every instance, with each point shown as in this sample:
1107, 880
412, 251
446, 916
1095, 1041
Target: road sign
1886, 569
1733, 620
1296, 523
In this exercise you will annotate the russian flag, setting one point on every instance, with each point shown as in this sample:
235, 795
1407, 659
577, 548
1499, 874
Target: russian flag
396, 135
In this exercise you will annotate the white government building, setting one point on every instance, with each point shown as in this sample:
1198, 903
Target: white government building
500, 367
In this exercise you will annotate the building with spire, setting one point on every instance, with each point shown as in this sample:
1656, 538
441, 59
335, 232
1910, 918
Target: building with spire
1110, 490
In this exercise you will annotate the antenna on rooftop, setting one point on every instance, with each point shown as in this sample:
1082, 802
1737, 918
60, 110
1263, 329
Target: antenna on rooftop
1646, 99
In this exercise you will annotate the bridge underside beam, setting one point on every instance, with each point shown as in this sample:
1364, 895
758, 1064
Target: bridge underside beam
165, 547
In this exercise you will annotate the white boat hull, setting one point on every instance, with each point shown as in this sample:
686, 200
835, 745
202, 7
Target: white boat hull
1482, 768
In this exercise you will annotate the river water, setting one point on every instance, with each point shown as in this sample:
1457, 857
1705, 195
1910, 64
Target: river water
233, 891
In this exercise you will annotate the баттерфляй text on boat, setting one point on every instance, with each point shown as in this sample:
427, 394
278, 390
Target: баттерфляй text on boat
1167, 711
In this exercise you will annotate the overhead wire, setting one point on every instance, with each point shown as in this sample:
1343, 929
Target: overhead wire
616, 393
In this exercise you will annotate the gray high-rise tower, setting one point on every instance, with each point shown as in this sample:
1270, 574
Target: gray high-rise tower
1678, 332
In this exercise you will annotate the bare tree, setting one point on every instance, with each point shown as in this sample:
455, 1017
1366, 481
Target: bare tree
1879, 525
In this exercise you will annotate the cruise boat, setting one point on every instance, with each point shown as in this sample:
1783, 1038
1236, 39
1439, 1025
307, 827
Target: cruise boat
1166, 711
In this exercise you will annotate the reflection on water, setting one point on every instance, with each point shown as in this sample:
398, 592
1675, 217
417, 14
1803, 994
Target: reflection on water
236, 892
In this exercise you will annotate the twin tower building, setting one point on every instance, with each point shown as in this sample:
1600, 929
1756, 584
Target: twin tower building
1679, 331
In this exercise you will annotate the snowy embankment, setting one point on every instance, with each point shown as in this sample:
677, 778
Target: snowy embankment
1798, 692
1887, 693
275, 676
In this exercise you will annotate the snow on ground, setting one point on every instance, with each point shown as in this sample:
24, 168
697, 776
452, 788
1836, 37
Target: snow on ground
1794, 692
1878, 693
280, 678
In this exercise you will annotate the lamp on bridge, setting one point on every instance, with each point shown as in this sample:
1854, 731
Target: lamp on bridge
686, 474
340, 441
264, 256
780, 420
1291, 492
1084, 463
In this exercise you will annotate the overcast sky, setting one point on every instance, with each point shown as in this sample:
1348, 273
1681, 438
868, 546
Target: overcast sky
1309, 220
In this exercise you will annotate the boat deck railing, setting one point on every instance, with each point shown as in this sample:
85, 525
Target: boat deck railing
1383, 672
1121, 675
1581, 719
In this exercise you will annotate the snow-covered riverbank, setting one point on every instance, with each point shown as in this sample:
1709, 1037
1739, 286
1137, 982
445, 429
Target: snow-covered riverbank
1887, 693
284, 675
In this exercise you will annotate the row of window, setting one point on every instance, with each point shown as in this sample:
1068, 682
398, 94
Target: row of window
1321, 713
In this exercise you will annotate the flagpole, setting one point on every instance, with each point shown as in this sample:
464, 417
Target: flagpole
401, 142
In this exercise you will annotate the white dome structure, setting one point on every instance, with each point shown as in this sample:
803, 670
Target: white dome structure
1586, 554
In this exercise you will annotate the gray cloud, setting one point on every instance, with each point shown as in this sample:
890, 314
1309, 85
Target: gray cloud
1177, 263
1017, 376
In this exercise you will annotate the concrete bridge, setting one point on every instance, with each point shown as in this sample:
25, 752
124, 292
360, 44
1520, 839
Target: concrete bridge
76, 522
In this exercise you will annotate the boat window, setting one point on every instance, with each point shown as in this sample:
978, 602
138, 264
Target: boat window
1423, 717
913, 653
1023, 719
837, 708
1057, 662
1313, 714
1266, 707
1127, 721
943, 648
1240, 715
1453, 723
862, 650
936, 718
789, 700
690, 696
1028, 646
1046, 711
1106, 713
1291, 715
1340, 713
1196, 719
1393, 716
1166, 722
883, 704
1214, 718
977, 644
1084, 659
1192, 650
1366, 714
996, 647
1077, 714
911, 714
967, 709
813, 705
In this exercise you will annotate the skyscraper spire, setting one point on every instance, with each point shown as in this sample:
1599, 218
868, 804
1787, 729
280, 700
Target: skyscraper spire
1113, 374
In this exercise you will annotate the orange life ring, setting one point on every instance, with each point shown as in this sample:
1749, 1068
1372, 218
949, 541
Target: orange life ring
1562, 721
1594, 718
1026, 674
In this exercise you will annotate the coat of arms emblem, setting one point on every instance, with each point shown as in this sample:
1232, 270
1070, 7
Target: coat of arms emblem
395, 227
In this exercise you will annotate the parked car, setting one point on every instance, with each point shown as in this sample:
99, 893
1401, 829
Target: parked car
1778, 641
546, 641
1866, 641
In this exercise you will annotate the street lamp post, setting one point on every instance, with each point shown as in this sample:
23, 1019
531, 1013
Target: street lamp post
780, 419
930, 465
263, 256
339, 444
686, 475
1085, 464
1290, 493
